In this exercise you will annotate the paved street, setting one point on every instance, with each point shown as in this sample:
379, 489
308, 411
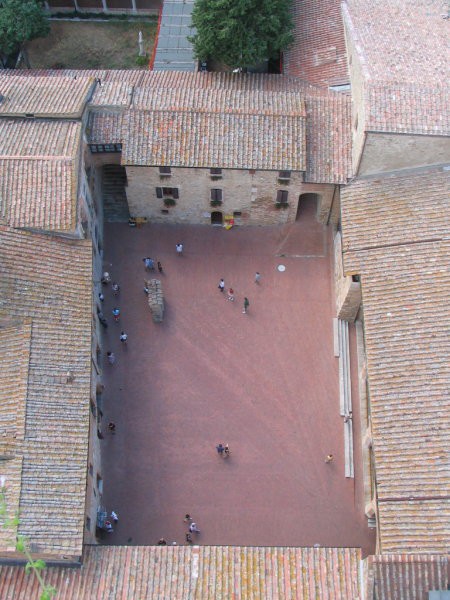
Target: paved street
265, 382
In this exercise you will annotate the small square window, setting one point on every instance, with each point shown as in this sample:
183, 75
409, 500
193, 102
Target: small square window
285, 175
216, 195
282, 197
165, 171
237, 213
216, 173
99, 484
167, 192
252, 171
165, 211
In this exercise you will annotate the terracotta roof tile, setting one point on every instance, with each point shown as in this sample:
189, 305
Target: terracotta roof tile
406, 577
328, 138
105, 127
38, 167
219, 101
110, 94
63, 97
200, 573
403, 51
400, 41
403, 260
318, 53
48, 280
275, 104
415, 525
23, 137
38, 193
397, 209
193, 139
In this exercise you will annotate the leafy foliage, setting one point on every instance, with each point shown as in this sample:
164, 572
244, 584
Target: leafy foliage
20, 21
241, 33
32, 566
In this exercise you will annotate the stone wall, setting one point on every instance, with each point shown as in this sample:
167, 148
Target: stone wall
347, 291
358, 109
155, 299
253, 194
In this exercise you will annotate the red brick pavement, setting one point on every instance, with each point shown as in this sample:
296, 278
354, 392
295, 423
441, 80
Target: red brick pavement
265, 382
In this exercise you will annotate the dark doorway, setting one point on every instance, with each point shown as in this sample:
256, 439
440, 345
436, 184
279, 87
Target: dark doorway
216, 218
307, 206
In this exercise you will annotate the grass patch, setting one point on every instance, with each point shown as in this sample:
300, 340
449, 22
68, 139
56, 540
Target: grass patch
82, 45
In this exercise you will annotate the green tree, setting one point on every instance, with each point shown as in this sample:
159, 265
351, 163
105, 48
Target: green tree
241, 33
20, 21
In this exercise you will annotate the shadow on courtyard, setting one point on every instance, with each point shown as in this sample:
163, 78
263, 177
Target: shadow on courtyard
265, 382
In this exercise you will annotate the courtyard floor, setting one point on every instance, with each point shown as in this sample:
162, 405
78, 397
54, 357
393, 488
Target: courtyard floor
265, 382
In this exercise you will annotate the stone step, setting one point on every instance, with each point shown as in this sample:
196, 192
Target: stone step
115, 205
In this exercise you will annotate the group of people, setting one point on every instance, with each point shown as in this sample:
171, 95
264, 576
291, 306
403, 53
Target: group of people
188, 536
230, 293
223, 450
108, 526
150, 264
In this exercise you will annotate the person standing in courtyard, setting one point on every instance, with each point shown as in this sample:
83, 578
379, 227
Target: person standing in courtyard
220, 448
160, 269
116, 314
114, 516
123, 337
112, 427
230, 295
148, 263
226, 451
329, 459
257, 277
188, 538
115, 288
193, 528
246, 305
179, 248
111, 357
221, 285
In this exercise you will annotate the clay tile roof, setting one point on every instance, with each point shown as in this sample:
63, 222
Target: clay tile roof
198, 573
406, 576
38, 173
63, 97
23, 137
403, 52
318, 53
183, 121
193, 139
397, 209
46, 281
38, 193
110, 94
403, 260
15, 343
105, 127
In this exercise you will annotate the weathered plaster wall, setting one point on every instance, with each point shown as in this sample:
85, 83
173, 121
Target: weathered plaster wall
389, 152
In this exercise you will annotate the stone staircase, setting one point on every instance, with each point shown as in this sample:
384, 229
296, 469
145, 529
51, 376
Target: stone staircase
115, 205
